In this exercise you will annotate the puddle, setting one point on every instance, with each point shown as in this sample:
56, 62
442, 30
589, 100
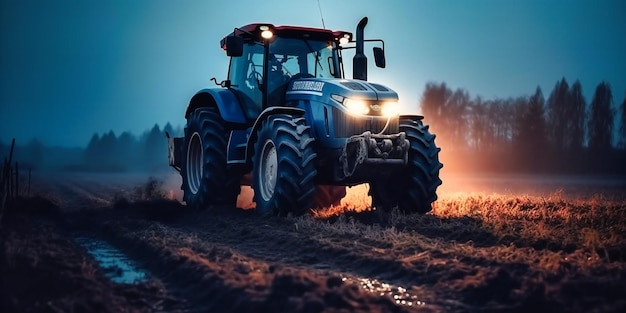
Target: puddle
400, 295
117, 266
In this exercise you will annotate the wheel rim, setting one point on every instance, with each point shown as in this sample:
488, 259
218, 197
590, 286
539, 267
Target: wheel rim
195, 155
268, 170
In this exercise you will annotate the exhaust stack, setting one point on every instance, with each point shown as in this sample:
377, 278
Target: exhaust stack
359, 62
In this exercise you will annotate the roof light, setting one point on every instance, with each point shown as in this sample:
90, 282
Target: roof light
345, 39
267, 34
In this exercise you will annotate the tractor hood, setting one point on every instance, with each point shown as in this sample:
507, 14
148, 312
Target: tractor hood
329, 90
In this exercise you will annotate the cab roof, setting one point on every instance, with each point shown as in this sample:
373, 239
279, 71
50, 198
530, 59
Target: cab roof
253, 31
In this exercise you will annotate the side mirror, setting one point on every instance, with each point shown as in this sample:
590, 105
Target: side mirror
234, 46
379, 57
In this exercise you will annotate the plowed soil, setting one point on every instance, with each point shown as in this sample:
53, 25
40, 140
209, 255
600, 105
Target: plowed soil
556, 246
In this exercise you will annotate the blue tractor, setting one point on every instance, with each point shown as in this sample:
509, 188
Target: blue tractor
288, 123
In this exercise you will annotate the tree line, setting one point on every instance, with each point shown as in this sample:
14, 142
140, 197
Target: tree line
108, 152
562, 134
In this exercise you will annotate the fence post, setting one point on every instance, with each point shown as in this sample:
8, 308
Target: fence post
11, 186
17, 180
6, 179
3, 175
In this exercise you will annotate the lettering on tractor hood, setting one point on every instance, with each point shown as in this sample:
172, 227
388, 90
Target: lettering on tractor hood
301, 89
307, 85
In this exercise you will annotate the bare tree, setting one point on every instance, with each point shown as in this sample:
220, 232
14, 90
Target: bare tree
434, 99
622, 129
128, 150
456, 113
601, 118
93, 153
155, 149
530, 129
576, 117
478, 125
557, 120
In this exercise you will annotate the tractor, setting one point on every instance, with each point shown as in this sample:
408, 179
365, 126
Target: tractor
289, 124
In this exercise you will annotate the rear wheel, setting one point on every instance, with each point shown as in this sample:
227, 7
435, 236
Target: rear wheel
283, 166
207, 178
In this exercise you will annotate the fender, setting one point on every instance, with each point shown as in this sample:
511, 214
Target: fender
225, 101
411, 117
262, 117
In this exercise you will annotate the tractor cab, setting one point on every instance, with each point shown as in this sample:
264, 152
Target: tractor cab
265, 58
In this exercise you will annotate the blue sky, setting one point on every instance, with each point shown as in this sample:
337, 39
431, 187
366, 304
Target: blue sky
70, 68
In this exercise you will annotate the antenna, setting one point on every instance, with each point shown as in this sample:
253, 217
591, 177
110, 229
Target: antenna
322, 16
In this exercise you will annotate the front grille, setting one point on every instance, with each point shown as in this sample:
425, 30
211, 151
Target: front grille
346, 125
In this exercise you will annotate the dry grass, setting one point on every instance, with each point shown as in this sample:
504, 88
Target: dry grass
594, 224
502, 252
356, 200
592, 228
485, 249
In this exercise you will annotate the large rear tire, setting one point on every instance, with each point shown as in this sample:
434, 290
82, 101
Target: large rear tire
283, 166
207, 178
418, 184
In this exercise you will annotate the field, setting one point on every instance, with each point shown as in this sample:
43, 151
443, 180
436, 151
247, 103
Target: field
491, 244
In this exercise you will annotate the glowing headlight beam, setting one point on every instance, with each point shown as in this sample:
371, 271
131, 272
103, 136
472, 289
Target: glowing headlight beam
356, 106
390, 109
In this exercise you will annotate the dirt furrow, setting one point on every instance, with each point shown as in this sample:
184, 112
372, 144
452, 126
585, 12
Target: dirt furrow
44, 270
447, 275
217, 277
472, 254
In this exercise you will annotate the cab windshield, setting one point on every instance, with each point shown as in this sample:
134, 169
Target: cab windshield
302, 58
287, 59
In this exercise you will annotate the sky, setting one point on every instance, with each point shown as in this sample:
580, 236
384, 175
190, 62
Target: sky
71, 68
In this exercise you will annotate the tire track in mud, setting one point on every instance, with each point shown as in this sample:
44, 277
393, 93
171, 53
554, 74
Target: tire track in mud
218, 278
42, 269
84, 191
232, 260
274, 244
74, 193
237, 257
416, 265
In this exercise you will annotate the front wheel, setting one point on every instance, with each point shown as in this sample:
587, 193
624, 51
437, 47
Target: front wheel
413, 189
420, 180
283, 166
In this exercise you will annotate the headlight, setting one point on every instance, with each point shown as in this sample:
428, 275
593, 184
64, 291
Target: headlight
390, 109
356, 106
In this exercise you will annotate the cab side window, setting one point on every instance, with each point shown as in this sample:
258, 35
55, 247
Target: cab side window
245, 75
